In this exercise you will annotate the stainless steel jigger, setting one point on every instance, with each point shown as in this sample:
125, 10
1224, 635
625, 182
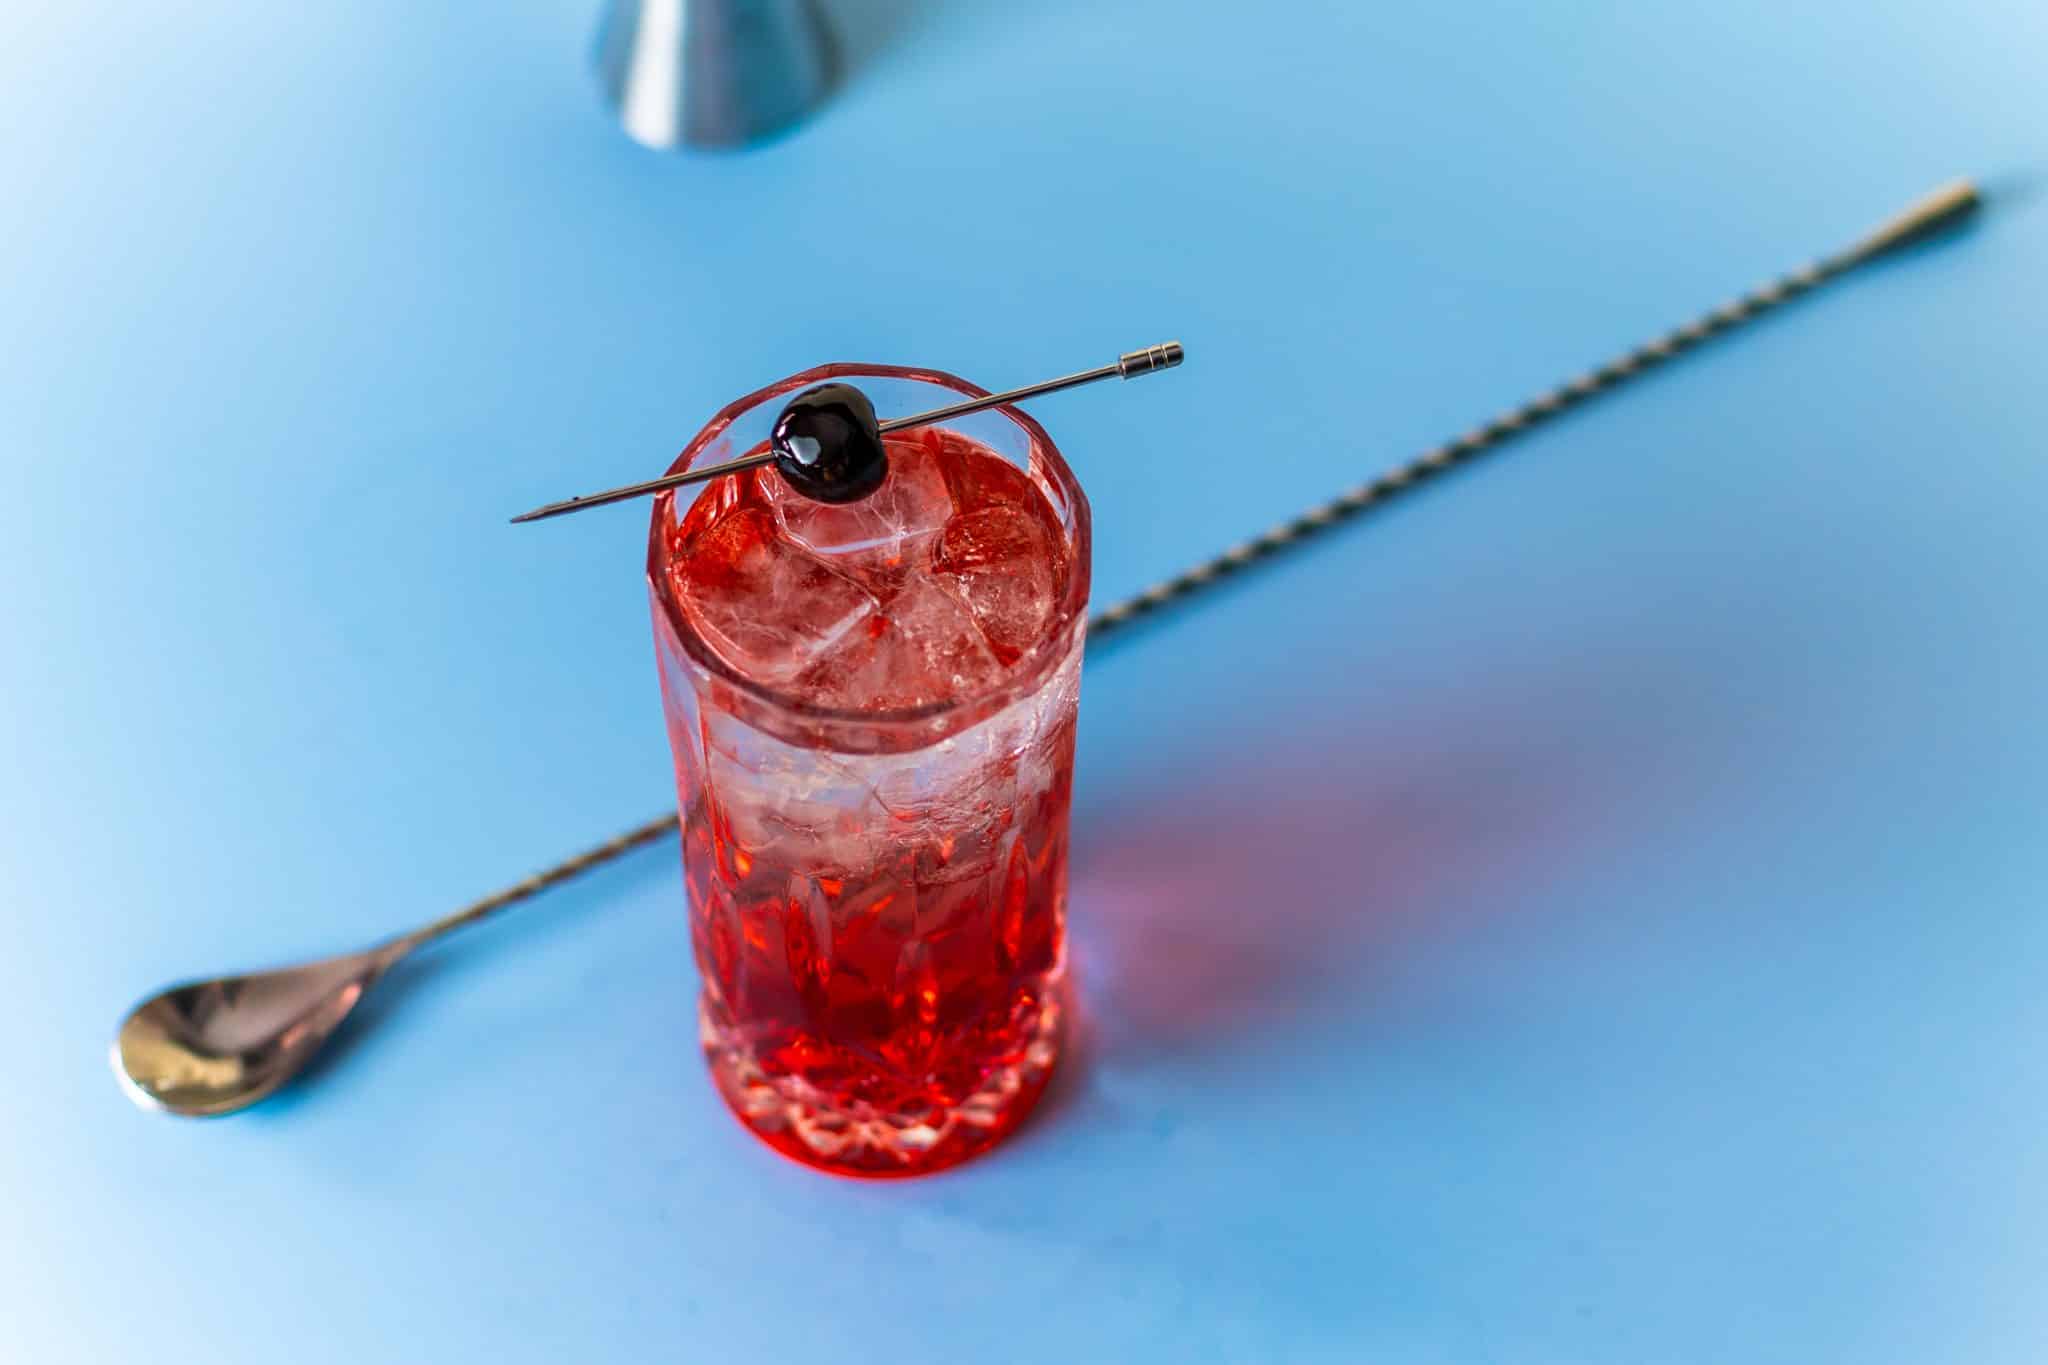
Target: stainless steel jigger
713, 73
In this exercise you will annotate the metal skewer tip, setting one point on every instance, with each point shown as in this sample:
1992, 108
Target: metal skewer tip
1129, 365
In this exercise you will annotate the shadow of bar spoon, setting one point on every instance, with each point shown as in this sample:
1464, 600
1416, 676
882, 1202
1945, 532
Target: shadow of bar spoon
213, 1047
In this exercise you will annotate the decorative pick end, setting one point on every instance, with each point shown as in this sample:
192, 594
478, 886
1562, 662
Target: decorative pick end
1164, 356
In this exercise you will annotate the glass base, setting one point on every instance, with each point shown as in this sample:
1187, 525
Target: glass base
860, 1139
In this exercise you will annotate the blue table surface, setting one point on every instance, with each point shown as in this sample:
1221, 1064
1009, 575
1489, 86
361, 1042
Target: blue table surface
1590, 912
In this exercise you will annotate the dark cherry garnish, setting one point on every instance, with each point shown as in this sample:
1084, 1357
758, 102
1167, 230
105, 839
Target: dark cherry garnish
828, 445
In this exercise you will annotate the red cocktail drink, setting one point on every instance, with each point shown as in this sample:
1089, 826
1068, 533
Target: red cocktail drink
872, 709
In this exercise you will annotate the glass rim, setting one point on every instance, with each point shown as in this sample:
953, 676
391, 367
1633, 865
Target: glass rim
1033, 667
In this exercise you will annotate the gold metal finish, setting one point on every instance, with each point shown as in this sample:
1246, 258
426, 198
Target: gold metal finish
1941, 209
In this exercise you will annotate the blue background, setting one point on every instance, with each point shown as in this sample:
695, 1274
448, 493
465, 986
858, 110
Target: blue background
1592, 911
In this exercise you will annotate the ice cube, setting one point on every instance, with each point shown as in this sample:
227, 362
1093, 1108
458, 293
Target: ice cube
965, 771
923, 647
789, 808
768, 607
1001, 564
882, 539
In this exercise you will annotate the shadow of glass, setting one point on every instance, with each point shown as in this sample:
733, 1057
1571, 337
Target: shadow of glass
1278, 886
1240, 906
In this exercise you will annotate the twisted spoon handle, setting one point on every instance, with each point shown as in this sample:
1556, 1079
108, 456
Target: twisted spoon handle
540, 881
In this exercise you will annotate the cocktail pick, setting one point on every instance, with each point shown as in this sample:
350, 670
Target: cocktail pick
219, 1045
1130, 365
